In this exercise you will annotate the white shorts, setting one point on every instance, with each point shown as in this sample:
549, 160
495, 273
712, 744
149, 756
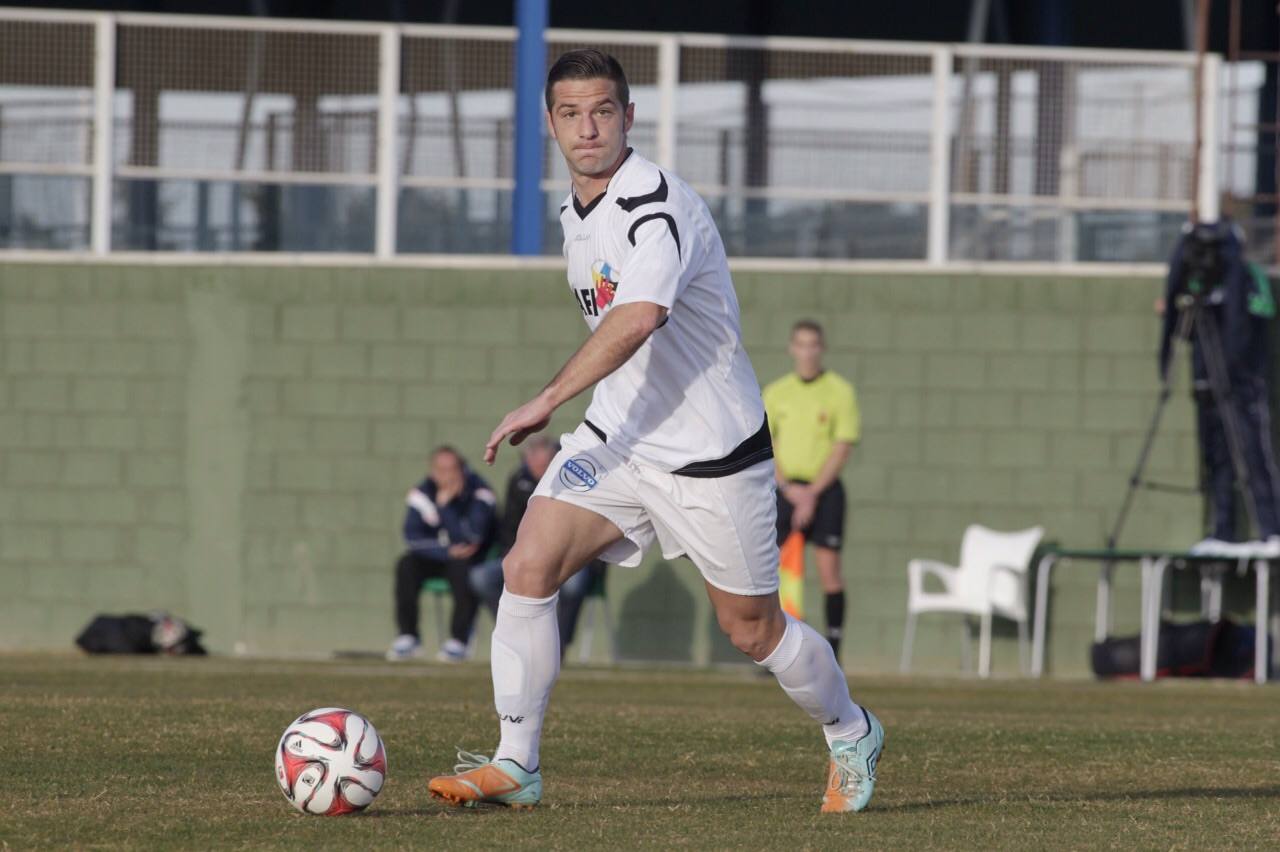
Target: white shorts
727, 525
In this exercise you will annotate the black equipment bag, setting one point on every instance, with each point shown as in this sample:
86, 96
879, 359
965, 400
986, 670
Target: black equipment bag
158, 633
1199, 649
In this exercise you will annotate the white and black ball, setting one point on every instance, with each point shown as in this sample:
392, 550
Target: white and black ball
330, 761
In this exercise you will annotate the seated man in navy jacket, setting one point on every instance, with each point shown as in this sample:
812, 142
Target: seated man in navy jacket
448, 527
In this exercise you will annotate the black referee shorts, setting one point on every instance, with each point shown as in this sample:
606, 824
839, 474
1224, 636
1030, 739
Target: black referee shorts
827, 527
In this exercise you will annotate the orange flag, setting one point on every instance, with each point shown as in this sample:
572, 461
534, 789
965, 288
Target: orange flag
791, 575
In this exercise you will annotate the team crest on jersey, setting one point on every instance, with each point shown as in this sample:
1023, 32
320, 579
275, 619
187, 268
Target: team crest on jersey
580, 473
597, 298
605, 277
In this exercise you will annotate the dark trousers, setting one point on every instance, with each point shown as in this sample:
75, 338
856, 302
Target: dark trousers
572, 594
412, 570
1252, 412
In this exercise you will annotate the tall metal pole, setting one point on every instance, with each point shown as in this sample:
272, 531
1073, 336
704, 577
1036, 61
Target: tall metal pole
668, 83
1275, 174
1208, 187
531, 69
388, 195
1202, 43
104, 85
940, 159
1233, 60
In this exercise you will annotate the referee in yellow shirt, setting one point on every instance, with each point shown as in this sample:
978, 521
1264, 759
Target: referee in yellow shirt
813, 416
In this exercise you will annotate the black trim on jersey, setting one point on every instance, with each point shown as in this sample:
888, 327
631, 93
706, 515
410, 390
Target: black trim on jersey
564, 207
658, 195
584, 212
753, 450
671, 224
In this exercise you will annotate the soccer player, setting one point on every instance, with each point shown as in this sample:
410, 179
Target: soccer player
675, 448
813, 414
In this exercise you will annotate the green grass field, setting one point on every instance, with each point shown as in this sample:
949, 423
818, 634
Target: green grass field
152, 753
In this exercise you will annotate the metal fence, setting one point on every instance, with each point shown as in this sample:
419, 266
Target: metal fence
133, 132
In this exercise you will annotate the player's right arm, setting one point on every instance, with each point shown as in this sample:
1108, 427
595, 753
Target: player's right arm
620, 334
652, 279
645, 296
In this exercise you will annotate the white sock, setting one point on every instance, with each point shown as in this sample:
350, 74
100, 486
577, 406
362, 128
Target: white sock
525, 661
807, 671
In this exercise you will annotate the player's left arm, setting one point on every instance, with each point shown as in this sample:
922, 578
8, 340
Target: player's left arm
623, 330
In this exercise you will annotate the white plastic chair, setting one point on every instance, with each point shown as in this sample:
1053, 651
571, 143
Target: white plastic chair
990, 580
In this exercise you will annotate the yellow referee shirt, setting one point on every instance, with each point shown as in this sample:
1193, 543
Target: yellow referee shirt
807, 418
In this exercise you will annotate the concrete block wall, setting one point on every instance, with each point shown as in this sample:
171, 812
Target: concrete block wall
234, 443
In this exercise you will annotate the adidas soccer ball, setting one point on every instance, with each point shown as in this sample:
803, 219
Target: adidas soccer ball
330, 761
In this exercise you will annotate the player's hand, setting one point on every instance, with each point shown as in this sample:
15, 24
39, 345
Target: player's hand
805, 503
529, 418
463, 550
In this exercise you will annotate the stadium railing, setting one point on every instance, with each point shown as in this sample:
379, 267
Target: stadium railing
124, 133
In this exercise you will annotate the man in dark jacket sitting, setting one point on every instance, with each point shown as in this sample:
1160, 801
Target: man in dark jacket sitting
448, 528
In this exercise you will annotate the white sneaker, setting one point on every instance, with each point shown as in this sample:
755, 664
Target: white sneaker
1212, 547
404, 647
451, 651
1269, 549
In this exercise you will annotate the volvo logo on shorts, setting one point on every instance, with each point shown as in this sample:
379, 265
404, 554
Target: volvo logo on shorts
579, 474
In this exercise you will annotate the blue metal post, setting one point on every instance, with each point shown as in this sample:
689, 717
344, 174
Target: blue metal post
531, 71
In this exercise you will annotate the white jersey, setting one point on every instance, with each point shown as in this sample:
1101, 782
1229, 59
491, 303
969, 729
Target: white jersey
688, 400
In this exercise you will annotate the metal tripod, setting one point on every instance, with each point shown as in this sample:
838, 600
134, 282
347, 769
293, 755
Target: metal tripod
1195, 319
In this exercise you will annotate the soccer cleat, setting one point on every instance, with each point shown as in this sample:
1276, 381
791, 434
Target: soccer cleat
478, 780
851, 778
405, 647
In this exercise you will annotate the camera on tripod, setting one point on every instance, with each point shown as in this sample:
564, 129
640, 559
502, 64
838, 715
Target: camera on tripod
1202, 262
1220, 306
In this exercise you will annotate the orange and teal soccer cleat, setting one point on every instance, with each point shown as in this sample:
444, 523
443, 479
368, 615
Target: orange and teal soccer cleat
851, 778
478, 780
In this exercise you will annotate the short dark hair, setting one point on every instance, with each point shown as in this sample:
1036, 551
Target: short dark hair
446, 450
808, 325
589, 64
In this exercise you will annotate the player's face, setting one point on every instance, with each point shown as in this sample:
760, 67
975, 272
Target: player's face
446, 471
806, 351
589, 124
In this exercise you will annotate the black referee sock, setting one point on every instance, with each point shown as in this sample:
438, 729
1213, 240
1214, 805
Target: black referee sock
835, 619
